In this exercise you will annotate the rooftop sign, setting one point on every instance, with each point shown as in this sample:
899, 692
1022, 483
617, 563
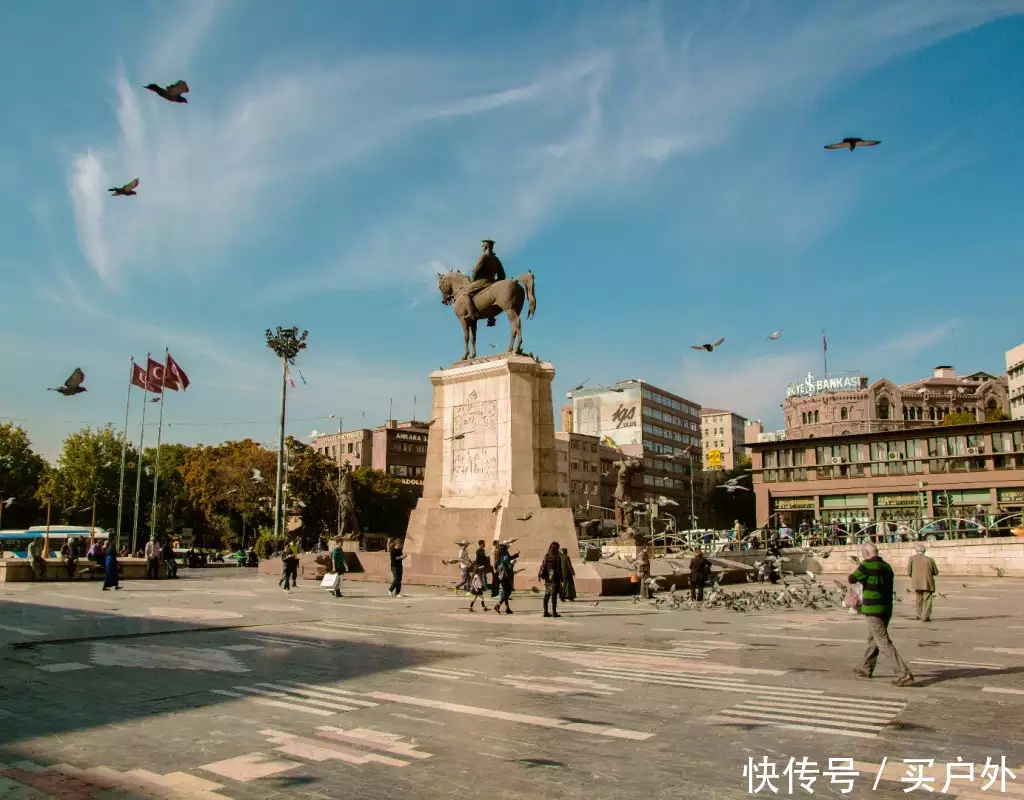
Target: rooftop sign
812, 385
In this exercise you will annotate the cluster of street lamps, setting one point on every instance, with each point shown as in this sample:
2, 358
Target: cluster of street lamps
286, 343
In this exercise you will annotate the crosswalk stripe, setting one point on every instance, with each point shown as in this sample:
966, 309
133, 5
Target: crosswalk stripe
1001, 690
424, 674
710, 677
570, 681
944, 663
821, 713
304, 701
461, 673
836, 701
694, 653
683, 683
772, 716
316, 696
382, 629
349, 697
728, 717
265, 701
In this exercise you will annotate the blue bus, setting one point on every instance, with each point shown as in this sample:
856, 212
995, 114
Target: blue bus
14, 543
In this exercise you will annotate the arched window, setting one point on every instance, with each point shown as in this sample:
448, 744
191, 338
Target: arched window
844, 413
846, 433
803, 418
815, 416
883, 408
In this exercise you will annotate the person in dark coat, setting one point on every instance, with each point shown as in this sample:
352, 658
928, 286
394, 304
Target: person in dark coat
551, 573
699, 569
567, 589
504, 569
111, 567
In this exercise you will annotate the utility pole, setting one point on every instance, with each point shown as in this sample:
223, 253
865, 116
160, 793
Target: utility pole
331, 416
286, 343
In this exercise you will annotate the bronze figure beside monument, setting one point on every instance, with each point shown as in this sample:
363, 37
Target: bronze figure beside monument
625, 469
484, 295
346, 501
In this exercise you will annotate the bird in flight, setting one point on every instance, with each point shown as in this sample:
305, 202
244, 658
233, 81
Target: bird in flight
776, 334
128, 190
526, 518
708, 347
173, 93
72, 385
852, 142
580, 386
732, 485
257, 475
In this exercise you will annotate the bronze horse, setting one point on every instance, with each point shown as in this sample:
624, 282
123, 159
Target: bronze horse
508, 296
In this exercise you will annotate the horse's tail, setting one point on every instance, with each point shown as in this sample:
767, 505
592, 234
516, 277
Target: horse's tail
527, 282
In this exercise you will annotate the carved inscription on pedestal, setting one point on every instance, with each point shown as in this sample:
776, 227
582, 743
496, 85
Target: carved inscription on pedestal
472, 460
475, 464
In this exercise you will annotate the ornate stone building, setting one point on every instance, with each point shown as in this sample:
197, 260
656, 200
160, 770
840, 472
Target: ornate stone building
844, 406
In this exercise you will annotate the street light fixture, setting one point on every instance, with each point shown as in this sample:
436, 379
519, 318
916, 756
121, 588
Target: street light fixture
286, 343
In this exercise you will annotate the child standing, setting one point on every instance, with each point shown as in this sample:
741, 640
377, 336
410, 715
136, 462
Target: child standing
476, 588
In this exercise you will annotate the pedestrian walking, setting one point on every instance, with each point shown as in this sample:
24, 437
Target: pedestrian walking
289, 569
111, 567
476, 588
567, 589
504, 569
878, 582
699, 569
922, 570
397, 556
644, 571
337, 567
152, 555
463, 560
482, 562
551, 573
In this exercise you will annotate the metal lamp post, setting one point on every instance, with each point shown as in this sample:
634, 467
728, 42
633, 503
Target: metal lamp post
286, 343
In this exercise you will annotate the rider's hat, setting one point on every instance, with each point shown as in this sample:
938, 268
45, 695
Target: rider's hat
488, 241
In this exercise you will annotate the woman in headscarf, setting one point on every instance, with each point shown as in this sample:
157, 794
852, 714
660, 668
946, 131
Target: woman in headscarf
551, 573
504, 569
567, 589
110, 566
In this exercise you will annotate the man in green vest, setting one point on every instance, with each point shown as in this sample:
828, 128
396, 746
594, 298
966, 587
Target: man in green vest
878, 582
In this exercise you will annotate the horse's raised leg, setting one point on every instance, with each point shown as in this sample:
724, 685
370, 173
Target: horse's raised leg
465, 337
515, 330
472, 339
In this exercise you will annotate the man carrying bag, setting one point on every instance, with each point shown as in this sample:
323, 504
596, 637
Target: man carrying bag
332, 580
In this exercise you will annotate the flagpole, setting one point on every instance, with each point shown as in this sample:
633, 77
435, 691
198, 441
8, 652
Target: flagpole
138, 473
159, 437
824, 351
124, 447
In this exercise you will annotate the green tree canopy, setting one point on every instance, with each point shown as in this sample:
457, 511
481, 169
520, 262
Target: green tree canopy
959, 418
20, 471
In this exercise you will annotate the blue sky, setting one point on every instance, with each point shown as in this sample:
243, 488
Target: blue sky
659, 167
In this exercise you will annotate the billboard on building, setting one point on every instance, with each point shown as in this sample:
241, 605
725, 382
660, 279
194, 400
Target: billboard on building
714, 459
615, 415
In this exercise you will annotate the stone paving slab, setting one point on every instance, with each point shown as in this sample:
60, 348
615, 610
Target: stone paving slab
225, 686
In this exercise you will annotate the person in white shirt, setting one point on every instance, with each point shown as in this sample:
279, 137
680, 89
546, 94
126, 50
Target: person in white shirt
152, 559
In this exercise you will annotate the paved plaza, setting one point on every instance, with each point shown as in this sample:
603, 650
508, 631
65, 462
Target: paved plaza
221, 685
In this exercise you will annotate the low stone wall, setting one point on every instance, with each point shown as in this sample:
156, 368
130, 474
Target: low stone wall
958, 558
19, 570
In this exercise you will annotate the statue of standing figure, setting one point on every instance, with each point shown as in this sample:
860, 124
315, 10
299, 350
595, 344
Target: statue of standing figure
346, 501
625, 469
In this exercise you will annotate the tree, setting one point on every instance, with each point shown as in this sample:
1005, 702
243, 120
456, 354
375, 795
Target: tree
174, 511
383, 503
959, 418
995, 415
21, 469
313, 489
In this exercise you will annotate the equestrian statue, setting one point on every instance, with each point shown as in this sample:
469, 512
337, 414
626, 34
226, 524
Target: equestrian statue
485, 294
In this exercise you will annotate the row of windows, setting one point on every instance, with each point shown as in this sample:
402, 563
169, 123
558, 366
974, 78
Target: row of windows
402, 471
667, 466
408, 447
931, 447
660, 399
664, 433
892, 469
332, 450
584, 446
672, 419
662, 482
583, 466
584, 487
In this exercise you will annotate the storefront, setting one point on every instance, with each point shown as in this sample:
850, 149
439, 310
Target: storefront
793, 510
1010, 501
963, 504
845, 508
900, 506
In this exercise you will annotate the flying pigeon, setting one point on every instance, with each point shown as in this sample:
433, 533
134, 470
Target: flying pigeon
666, 501
851, 142
155, 400
497, 508
463, 542
8, 502
128, 190
257, 475
457, 436
776, 334
580, 386
173, 92
708, 347
1000, 572
72, 385
732, 485
526, 518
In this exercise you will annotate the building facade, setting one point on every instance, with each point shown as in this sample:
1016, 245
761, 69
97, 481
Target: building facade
723, 436
587, 479
658, 427
398, 448
1015, 380
839, 406
892, 475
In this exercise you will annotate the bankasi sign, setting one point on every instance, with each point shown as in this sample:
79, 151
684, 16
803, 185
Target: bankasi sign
812, 385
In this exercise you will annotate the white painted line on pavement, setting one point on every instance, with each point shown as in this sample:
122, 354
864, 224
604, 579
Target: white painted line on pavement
71, 666
1001, 690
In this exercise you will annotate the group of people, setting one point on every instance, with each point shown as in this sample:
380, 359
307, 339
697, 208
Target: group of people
159, 553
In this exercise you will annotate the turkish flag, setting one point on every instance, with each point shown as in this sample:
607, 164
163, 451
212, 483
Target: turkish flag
174, 376
141, 379
157, 374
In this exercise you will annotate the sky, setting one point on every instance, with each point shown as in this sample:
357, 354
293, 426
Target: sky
658, 166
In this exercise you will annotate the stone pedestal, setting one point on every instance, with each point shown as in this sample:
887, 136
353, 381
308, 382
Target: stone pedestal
491, 470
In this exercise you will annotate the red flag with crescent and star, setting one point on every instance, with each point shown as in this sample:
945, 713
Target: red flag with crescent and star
141, 379
175, 377
157, 373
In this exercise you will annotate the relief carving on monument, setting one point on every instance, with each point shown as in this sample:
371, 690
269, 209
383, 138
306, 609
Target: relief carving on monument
475, 464
475, 417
